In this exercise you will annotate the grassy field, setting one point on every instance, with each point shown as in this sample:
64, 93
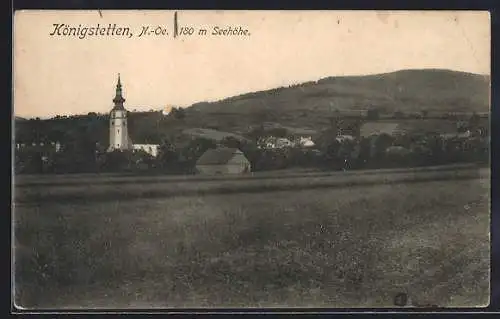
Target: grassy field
355, 241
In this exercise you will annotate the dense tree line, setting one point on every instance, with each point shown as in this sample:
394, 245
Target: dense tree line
83, 148
385, 151
380, 151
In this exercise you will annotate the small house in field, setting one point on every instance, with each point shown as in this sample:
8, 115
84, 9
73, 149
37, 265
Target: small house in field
271, 142
223, 160
151, 149
344, 138
305, 141
462, 135
377, 128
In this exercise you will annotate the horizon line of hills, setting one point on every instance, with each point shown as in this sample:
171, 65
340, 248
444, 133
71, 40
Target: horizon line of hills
407, 91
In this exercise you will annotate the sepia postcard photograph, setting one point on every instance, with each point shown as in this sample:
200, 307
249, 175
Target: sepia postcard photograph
250, 159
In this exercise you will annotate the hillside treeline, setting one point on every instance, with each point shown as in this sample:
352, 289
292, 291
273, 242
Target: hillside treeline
409, 91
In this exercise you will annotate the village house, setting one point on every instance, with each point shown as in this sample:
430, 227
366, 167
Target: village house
459, 135
151, 149
46, 150
47, 146
223, 160
344, 138
271, 142
351, 129
282, 142
304, 141
346, 127
377, 128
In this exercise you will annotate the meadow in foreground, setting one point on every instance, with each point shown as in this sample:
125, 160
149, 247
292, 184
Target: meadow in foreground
344, 247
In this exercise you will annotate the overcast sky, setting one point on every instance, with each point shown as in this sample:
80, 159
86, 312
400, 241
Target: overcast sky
67, 75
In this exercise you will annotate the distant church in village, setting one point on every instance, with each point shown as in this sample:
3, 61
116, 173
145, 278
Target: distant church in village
119, 138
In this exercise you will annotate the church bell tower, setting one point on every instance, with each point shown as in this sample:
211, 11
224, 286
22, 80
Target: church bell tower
118, 130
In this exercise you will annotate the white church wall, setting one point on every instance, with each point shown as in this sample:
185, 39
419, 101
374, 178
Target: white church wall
151, 149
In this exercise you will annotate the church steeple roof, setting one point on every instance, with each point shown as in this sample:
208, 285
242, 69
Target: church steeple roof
118, 100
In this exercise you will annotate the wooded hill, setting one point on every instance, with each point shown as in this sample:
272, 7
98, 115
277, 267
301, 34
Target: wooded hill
406, 91
301, 107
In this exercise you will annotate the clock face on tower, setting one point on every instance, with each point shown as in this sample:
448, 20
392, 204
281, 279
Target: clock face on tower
118, 114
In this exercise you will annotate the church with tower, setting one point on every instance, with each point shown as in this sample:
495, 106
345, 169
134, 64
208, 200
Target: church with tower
119, 138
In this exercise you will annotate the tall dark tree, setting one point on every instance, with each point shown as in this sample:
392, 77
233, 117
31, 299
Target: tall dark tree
330, 150
28, 161
79, 151
373, 114
363, 159
278, 132
232, 142
424, 113
378, 146
167, 155
251, 151
474, 120
335, 124
196, 148
398, 115
256, 133
118, 161
178, 113
271, 159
